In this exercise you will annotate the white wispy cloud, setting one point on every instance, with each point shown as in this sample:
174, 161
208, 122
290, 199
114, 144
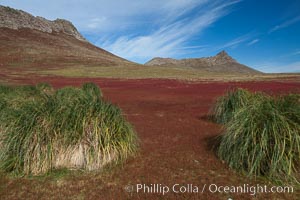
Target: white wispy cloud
253, 42
168, 40
285, 24
97, 22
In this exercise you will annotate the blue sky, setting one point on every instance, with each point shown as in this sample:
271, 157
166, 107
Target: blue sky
263, 34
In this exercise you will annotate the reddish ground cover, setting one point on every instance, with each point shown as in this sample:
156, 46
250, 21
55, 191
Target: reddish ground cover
170, 118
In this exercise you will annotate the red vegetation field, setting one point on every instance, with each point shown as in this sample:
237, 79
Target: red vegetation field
170, 118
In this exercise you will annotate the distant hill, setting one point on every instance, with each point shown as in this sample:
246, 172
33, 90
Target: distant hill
28, 41
222, 62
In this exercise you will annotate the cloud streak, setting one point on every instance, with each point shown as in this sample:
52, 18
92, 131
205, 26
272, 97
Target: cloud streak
285, 24
253, 42
169, 38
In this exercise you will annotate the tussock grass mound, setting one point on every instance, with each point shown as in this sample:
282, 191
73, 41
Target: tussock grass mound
226, 105
14, 97
289, 105
262, 138
67, 128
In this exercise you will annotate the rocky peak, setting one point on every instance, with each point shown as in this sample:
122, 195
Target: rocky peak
219, 59
223, 56
221, 63
17, 19
222, 53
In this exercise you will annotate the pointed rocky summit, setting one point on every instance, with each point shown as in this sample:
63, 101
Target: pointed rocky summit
222, 62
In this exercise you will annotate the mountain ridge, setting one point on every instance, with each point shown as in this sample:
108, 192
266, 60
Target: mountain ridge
222, 62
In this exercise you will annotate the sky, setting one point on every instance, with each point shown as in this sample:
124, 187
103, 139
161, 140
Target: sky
263, 34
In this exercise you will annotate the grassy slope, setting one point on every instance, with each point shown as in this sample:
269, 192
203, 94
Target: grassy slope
137, 72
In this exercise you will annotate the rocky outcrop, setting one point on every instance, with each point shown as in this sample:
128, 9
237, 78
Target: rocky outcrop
18, 19
220, 58
222, 62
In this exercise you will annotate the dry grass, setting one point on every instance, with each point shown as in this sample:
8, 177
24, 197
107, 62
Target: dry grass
140, 72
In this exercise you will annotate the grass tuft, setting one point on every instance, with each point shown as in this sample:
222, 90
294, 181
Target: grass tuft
226, 105
92, 89
69, 128
262, 137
